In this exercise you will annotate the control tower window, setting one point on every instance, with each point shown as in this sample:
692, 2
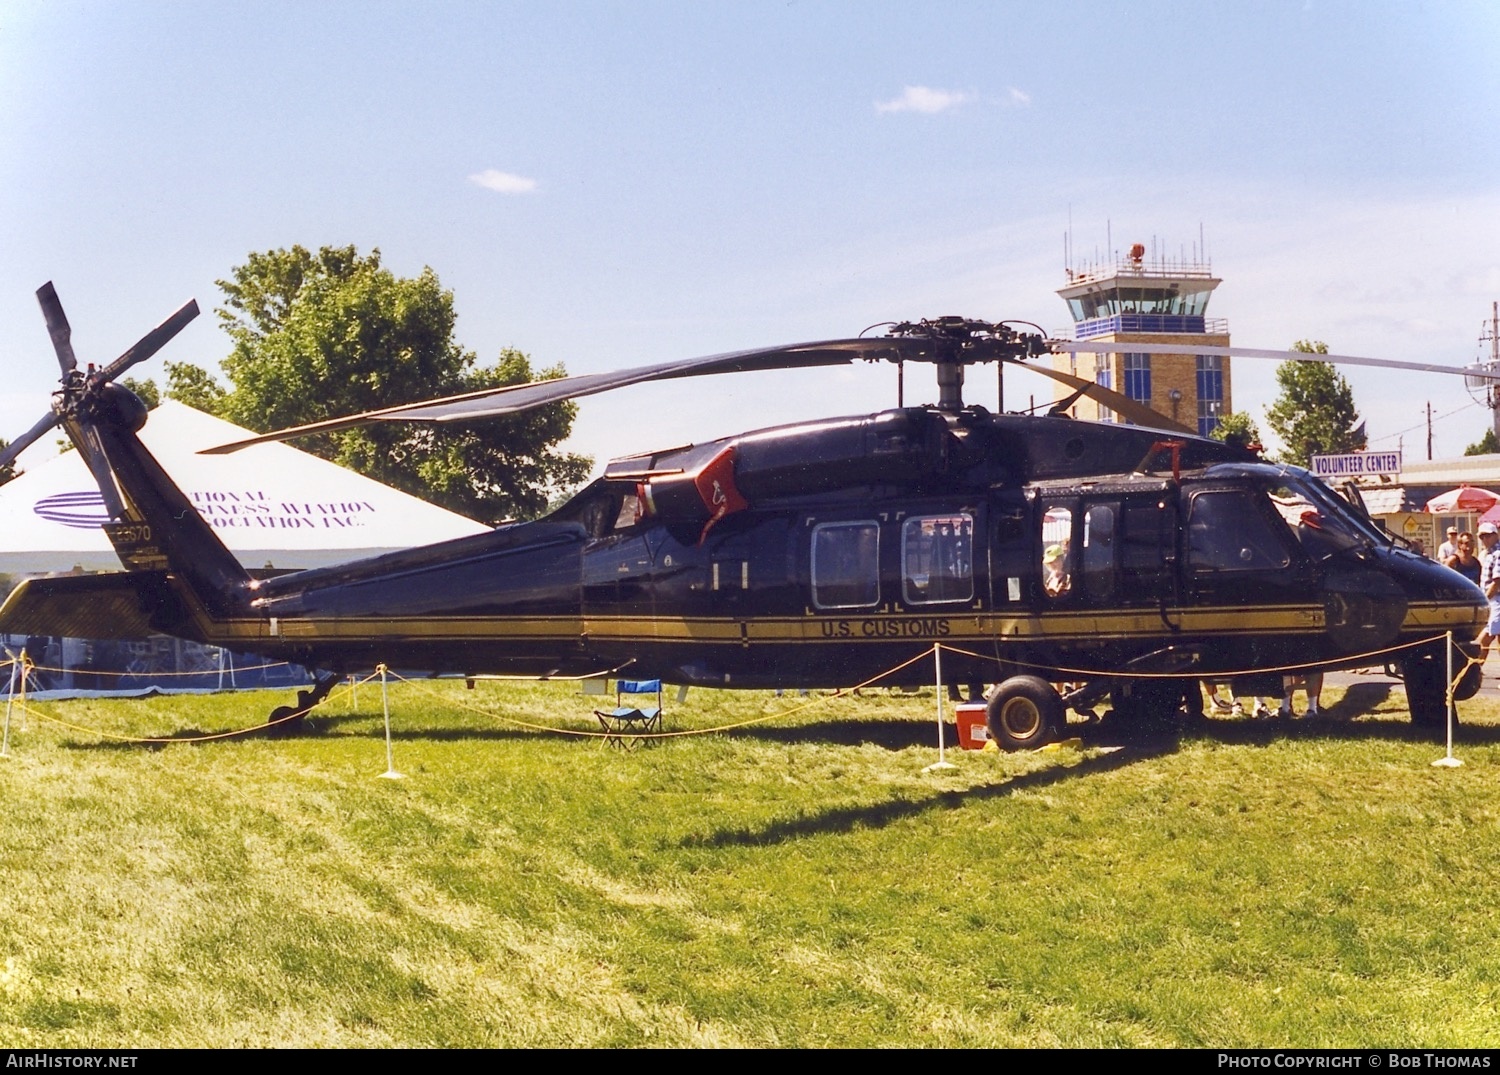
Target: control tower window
1104, 376
1138, 377
1210, 393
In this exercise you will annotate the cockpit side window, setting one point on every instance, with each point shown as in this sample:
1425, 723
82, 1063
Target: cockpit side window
846, 564
1229, 530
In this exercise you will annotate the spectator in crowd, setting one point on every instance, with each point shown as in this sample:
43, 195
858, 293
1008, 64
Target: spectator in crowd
1448, 547
1463, 559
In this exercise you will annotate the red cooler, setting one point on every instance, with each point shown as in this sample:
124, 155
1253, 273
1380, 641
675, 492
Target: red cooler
973, 728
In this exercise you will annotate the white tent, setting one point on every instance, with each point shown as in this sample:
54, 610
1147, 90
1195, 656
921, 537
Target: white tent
271, 504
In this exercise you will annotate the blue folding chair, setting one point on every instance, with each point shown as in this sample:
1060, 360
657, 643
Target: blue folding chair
625, 724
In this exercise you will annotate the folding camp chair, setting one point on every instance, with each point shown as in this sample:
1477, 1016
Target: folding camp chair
625, 724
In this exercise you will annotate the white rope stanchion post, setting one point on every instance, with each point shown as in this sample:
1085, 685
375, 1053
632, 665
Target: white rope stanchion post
937, 664
10, 697
385, 702
25, 671
353, 695
1448, 761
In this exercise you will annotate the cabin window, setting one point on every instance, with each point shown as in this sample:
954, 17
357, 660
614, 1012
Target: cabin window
1229, 531
1057, 550
1099, 550
846, 565
937, 559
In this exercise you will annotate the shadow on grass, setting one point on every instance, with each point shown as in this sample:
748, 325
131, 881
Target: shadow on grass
314, 729
1366, 711
879, 815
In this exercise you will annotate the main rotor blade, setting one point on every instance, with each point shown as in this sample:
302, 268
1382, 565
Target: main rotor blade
1138, 413
1120, 346
27, 439
57, 327
491, 402
104, 477
152, 341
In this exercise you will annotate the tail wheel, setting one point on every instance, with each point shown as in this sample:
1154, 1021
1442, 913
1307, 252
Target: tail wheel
1025, 713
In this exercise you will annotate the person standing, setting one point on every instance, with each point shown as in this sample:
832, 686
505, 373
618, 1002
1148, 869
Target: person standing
1464, 561
1489, 537
1448, 547
1489, 582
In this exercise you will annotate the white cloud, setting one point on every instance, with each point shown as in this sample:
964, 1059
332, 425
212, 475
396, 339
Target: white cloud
923, 99
1019, 98
503, 182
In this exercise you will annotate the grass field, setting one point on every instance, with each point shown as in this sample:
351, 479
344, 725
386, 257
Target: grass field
796, 882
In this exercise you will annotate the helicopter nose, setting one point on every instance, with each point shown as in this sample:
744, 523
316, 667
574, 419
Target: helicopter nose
1362, 610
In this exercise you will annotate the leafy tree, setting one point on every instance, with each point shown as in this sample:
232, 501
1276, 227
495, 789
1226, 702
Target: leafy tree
146, 389
327, 334
1238, 430
1314, 414
187, 383
8, 471
1488, 444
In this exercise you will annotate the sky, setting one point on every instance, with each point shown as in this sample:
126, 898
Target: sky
610, 184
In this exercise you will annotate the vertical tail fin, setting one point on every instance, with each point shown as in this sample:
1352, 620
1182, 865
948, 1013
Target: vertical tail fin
158, 528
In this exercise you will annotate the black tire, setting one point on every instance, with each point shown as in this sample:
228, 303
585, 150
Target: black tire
1468, 683
286, 720
1426, 677
1025, 713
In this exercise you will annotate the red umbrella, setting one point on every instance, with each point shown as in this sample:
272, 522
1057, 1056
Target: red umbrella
1464, 498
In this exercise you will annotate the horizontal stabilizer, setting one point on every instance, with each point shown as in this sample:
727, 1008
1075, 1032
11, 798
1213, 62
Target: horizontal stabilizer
119, 605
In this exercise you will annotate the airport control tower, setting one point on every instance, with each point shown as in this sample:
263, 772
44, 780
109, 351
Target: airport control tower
1155, 300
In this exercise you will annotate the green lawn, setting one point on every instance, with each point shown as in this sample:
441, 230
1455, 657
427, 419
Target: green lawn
800, 881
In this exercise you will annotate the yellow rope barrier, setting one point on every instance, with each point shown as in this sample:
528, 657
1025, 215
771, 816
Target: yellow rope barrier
586, 734
236, 670
1066, 673
27, 665
164, 740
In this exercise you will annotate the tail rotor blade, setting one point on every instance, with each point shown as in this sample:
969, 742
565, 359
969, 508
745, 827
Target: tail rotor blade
152, 341
57, 327
27, 439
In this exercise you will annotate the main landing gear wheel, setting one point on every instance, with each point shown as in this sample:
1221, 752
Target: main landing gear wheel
1025, 713
1426, 678
1471, 674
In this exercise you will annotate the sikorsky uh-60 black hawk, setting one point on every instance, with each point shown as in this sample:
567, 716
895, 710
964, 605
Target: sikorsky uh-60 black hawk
1036, 548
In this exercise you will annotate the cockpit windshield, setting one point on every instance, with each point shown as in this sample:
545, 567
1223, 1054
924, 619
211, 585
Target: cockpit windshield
1323, 523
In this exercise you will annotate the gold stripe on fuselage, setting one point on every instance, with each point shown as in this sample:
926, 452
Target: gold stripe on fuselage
1056, 627
972, 625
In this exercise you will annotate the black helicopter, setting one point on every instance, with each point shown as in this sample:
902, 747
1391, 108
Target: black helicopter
1125, 560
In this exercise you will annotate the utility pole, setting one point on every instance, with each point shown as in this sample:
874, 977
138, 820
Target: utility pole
1429, 431
1494, 342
